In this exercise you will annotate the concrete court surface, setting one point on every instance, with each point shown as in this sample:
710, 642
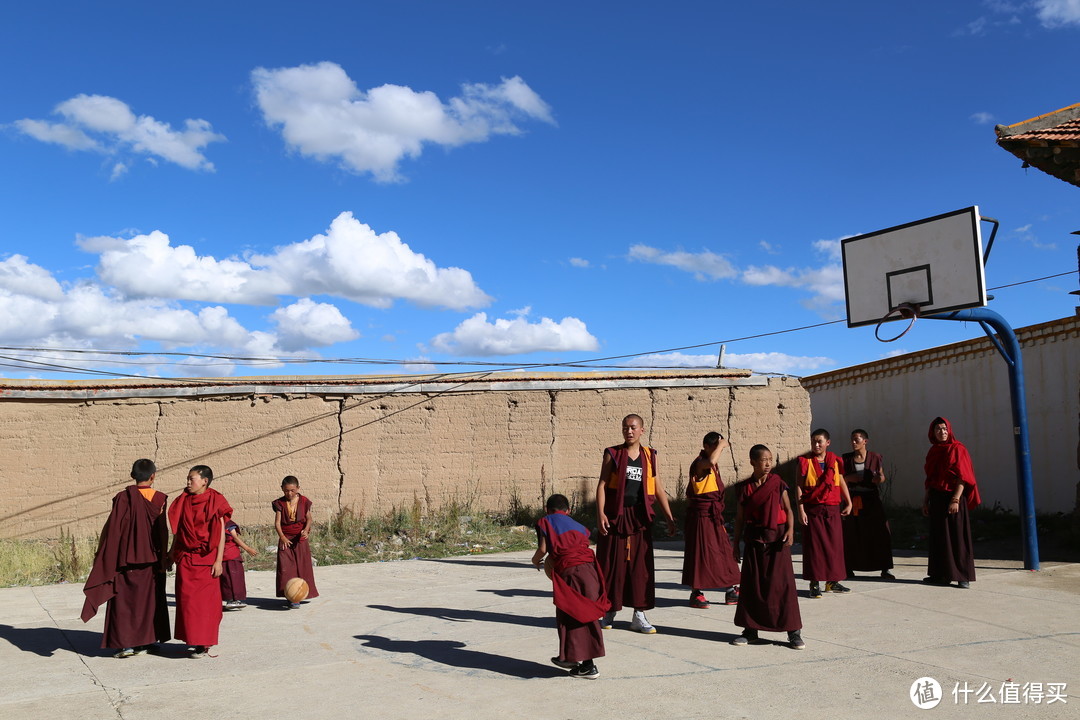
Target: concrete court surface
470, 638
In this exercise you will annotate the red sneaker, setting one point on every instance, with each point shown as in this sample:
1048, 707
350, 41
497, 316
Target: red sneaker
698, 601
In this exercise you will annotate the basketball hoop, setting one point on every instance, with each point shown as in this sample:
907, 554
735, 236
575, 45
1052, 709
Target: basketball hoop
907, 310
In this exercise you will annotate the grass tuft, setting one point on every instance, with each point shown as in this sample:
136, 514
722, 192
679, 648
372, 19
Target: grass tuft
45, 562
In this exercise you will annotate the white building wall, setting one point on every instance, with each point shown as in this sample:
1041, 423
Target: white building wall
895, 400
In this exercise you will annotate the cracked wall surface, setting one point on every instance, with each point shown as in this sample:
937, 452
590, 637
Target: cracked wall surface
64, 460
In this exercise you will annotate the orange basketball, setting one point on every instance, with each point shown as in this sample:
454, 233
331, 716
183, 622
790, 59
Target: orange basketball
296, 590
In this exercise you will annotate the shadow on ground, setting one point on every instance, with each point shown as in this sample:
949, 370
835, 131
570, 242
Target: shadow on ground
459, 615
453, 653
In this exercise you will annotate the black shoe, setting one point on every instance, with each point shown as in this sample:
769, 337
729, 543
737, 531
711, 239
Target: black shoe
748, 637
836, 587
795, 641
564, 664
963, 585
586, 670
815, 590
886, 575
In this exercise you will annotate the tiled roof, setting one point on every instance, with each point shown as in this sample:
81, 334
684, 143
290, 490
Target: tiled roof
1049, 142
1066, 131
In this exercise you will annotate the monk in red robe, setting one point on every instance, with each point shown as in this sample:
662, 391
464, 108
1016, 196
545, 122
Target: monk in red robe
708, 560
867, 539
292, 520
820, 490
233, 582
625, 495
951, 493
129, 568
767, 596
198, 519
580, 598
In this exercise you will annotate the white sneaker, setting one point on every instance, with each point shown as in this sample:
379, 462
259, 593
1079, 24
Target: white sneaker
609, 619
641, 624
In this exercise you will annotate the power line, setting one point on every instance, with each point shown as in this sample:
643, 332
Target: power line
1025, 282
29, 364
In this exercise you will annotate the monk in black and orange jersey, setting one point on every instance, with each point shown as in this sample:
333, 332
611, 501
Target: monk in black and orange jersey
628, 489
708, 560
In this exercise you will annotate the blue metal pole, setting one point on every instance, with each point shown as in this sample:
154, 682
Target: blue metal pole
1009, 348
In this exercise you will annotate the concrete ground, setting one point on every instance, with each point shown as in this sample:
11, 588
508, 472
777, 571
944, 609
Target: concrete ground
471, 637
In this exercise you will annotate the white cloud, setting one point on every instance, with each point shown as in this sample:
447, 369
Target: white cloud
350, 261
118, 129
705, 265
21, 277
769, 247
674, 359
420, 364
149, 266
982, 118
1032, 239
204, 367
36, 310
58, 134
1058, 13
579, 262
477, 336
830, 248
975, 27
770, 362
306, 324
1003, 14
824, 283
323, 114
775, 362
87, 312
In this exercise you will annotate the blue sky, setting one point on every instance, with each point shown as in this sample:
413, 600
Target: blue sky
436, 184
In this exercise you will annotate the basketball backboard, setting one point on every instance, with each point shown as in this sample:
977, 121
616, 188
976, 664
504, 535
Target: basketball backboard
935, 264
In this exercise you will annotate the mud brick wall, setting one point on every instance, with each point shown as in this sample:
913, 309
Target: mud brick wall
369, 446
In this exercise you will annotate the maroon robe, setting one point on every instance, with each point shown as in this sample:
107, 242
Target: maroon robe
578, 587
233, 583
196, 521
823, 536
951, 554
767, 596
295, 561
625, 554
708, 558
867, 539
129, 573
